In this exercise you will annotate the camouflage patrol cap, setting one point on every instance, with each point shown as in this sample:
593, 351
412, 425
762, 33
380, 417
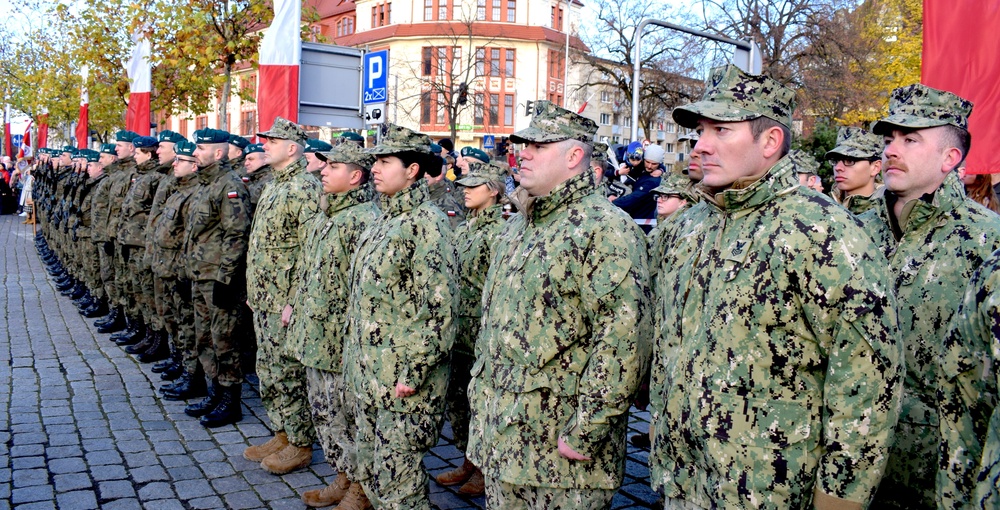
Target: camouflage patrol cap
675, 184
315, 145
474, 153
238, 141
552, 123
209, 135
254, 147
125, 136
91, 156
918, 106
144, 142
352, 136
109, 148
69, 149
600, 153
804, 162
347, 153
185, 149
170, 136
856, 143
481, 173
400, 139
732, 95
284, 129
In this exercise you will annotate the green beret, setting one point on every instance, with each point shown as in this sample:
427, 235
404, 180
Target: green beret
238, 141
210, 136
284, 129
70, 149
90, 155
552, 123
254, 147
171, 136
314, 145
144, 142
109, 148
918, 106
732, 95
125, 136
400, 139
474, 153
352, 136
185, 148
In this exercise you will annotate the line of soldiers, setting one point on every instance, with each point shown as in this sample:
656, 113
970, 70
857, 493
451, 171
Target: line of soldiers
800, 350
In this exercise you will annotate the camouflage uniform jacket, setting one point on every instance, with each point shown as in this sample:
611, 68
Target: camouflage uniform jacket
120, 181
100, 207
564, 341
166, 187
858, 204
279, 227
137, 203
968, 395
778, 367
945, 237
216, 226
445, 196
404, 297
255, 184
316, 334
85, 211
165, 250
474, 239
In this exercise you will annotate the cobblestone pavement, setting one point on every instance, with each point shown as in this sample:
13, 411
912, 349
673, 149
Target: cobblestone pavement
81, 426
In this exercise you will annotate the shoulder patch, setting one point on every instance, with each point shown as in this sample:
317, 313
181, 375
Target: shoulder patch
245, 179
233, 194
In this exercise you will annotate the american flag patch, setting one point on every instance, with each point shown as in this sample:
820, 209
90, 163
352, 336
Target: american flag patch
233, 194
246, 179
452, 213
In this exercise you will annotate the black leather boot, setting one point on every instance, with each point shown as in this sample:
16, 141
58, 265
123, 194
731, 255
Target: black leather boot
229, 410
98, 309
144, 343
116, 322
185, 388
206, 405
157, 351
133, 335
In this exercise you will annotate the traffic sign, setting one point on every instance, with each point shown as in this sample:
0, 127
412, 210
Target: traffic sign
375, 82
375, 113
489, 142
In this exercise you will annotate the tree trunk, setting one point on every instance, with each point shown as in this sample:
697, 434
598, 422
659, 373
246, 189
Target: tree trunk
224, 100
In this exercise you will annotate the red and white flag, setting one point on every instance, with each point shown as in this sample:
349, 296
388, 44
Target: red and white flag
961, 56
278, 76
25, 150
7, 144
82, 125
140, 78
43, 128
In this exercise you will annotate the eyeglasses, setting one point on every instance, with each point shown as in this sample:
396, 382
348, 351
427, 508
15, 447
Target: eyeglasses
851, 162
662, 196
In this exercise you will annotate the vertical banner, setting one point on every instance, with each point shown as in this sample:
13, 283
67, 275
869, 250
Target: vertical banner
961, 55
43, 128
140, 79
278, 76
25, 150
7, 145
82, 125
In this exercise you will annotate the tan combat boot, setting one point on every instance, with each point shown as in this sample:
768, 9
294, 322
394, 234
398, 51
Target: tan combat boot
461, 474
288, 459
260, 452
356, 499
329, 495
475, 487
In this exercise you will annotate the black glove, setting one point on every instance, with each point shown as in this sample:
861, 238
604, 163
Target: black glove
183, 289
225, 296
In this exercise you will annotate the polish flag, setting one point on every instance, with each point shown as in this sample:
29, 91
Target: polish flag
82, 126
139, 75
43, 128
8, 146
278, 76
25, 150
960, 55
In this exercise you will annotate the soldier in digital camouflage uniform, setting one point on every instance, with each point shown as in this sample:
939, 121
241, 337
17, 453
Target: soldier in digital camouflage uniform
857, 162
674, 195
216, 228
934, 238
807, 169
550, 391
316, 330
484, 185
257, 173
446, 195
599, 160
777, 370
969, 421
404, 295
120, 181
287, 204
100, 209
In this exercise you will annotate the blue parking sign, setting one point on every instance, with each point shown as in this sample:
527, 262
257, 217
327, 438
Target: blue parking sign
375, 82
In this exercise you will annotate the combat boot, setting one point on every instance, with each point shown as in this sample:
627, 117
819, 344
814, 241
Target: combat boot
475, 487
144, 342
78, 291
62, 281
229, 410
100, 308
85, 302
133, 335
112, 322
329, 495
259, 452
356, 499
206, 405
156, 352
461, 474
186, 387
66, 284
173, 359
172, 372
288, 459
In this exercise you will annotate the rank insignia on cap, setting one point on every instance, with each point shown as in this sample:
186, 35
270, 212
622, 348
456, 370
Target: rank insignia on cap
233, 194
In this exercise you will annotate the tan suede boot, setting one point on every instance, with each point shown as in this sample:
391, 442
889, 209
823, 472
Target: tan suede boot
329, 495
461, 474
288, 459
476, 486
260, 452
356, 499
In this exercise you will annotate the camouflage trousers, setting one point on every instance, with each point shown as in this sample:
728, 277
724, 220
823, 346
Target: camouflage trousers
282, 382
91, 268
141, 282
126, 296
522, 497
108, 275
216, 345
911, 473
333, 407
391, 449
177, 315
458, 412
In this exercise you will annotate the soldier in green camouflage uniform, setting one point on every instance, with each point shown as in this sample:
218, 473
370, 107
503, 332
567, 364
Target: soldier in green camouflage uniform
258, 173
315, 165
807, 169
100, 209
215, 243
484, 185
316, 330
404, 294
287, 204
90, 261
934, 238
598, 161
237, 153
777, 371
551, 390
857, 161
120, 180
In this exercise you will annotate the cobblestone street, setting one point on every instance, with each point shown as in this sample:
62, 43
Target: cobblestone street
81, 425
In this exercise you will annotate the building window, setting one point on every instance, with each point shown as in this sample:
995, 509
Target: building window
201, 122
508, 109
425, 107
438, 60
494, 109
381, 14
477, 110
605, 119
480, 61
496, 10
555, 98
427, 58
428, 10
437, 10
442, 60
511, 10
248, 122
440, 109
671, 128
605, 96
557, 17
501, 62
670, 147
495, 62
183, 128
556, 64
481, 10
248, 87
509, 63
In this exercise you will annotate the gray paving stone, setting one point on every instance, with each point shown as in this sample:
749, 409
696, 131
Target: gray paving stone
217, 469
230, 484
115, 489
273, 491
122, 504
137, 460
101, 473
189, 489
31, 494
172, 461
59, 452
148, 474
39, 505
186, 473
28, 462
212, 455
77, 500
29, 477
205, 503
72, 482
156, 490
67, 465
